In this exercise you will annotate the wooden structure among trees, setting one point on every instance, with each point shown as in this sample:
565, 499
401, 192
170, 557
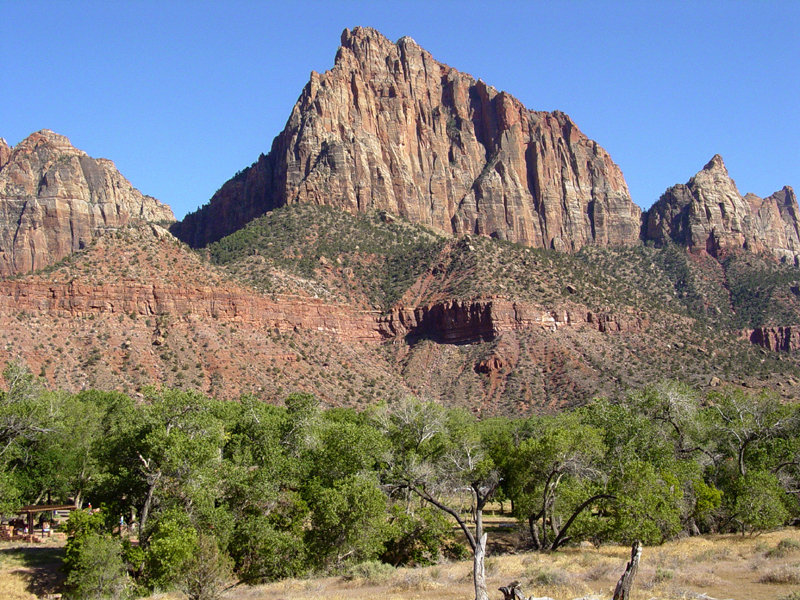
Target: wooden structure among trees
32, 509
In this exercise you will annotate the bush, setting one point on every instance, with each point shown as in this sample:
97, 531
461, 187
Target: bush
96, 569
757, 504
207, 572
372, 572
172, 545
415, 539
263, 553
784, 548
81, 525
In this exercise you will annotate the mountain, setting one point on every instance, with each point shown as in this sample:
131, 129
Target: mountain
390, 128
54, 199
412, 231
710, 214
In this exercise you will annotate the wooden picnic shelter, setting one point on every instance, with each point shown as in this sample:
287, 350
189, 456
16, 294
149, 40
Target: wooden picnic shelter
33, 509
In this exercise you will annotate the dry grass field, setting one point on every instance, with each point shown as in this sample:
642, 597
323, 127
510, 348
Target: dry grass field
766, 567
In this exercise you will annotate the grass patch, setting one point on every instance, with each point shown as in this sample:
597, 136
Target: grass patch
788, 575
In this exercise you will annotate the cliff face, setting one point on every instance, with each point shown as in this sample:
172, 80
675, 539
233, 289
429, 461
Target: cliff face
389, 127
483, 320
709, 213
54, 198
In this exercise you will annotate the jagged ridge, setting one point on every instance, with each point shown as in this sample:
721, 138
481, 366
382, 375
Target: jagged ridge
55, 198
390, 128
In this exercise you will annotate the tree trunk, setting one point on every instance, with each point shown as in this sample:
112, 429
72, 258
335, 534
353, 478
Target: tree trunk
625, 583
478, 571
146, 508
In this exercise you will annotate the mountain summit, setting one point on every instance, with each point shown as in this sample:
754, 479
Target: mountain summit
709, 213
390, 128
54, 198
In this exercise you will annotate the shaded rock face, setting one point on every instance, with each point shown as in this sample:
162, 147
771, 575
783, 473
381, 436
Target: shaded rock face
710, 214
482, 320
54, 198
778, 339
390, 128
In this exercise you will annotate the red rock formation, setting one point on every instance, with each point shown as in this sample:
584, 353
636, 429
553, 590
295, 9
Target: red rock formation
785, 339
709, 213
283, 314
54, 198
466, 322
390, 128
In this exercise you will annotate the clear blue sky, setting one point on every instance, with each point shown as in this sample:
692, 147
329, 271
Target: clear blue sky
181, 95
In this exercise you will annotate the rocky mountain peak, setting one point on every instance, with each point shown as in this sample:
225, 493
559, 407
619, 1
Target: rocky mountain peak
54, 198
708, 213
716, 163
390, 128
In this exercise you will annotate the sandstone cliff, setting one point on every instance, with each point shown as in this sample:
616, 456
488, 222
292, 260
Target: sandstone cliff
54, 198
709, 213
390, 128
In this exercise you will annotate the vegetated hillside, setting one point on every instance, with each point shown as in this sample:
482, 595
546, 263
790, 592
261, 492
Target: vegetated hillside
367, 260
617, 317
314, 299
136, 308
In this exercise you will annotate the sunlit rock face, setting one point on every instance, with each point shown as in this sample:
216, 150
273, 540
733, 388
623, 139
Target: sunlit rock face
54, 198
708, 213
390, 128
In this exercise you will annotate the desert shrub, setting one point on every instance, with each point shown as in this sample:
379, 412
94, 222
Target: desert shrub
789, 575
784, 548
543, 576
97, 570
372, 572
663, 575
207, 572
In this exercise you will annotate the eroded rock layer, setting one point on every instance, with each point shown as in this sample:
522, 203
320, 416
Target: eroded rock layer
54, 198
390, 128
710, 214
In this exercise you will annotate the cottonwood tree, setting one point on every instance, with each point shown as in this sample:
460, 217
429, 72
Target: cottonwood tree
165, 453
557, 478
744, 421
438, 456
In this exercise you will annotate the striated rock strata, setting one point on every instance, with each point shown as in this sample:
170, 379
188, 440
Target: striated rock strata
76, 300
454, 322
390, 128
54, 198
462, 322
778, 339
710, 214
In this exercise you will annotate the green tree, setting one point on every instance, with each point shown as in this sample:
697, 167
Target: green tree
557, 478
437, 455
756, 502
348, 521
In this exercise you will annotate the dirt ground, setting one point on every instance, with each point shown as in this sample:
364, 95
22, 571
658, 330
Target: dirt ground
766, 567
